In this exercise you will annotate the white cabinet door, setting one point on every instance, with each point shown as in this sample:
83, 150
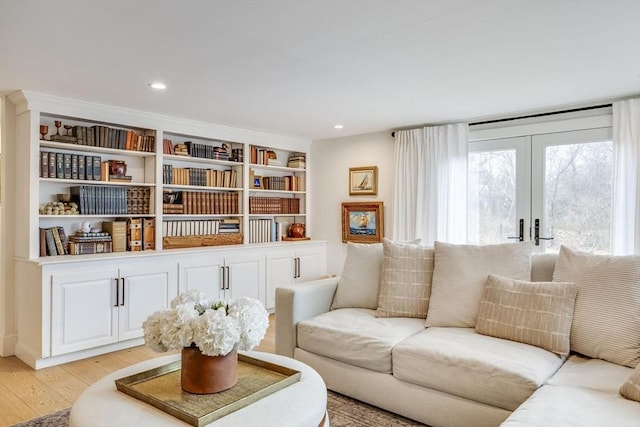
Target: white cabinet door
245, 276
202, 272
312, 263
145, 287
280, 270
84, 310
285, 267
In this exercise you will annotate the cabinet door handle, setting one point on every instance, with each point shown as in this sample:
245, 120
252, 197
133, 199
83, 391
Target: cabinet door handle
299, 268
116, 292
223, 277
122, 287
228, 277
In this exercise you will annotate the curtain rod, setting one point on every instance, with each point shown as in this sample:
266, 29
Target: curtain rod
530, 116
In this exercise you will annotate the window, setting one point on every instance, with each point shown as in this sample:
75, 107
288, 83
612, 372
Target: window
553, 188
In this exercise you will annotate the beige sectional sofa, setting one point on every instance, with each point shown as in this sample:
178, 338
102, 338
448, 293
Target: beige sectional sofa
410, 360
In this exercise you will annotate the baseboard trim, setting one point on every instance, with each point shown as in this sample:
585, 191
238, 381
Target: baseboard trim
8, 345
37, 362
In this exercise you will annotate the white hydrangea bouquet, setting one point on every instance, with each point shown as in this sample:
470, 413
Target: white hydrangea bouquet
214, 326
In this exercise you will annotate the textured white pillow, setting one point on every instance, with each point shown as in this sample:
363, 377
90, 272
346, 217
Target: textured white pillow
405, 284
535, 313
631, 389
359, 283
606, 320
460, 273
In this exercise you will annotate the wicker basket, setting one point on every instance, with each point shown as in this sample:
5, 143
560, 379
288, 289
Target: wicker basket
198, 241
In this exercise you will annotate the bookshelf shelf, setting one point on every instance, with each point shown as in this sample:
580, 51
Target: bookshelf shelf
199, 188
188, 159
77, 217
262, 191
277, 168
90, 182
85, 148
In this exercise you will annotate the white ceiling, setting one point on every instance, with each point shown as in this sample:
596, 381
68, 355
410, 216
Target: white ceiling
299, 67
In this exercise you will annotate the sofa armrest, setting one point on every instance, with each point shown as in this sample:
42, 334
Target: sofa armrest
298, 302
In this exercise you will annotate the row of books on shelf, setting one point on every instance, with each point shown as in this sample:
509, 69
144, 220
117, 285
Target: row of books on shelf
297, 160
273, 205
133, 234
200, 227
107, 137
203, 151
199, 176
70, 166
283, 183
111, 200
265, 230
200, 203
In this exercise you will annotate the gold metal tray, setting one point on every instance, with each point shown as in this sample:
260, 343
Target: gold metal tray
160, 387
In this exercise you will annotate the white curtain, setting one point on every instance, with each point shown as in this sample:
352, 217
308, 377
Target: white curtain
625, 220
430, 188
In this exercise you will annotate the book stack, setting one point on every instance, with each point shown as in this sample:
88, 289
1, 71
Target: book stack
229, 226
297, 160
282, 183
200, 227
83, 243
53, 241
148, 234
122, 139
199, 176
273, 205
205, 151
180, 150
138, 200
262, 230
70, 166
167, 146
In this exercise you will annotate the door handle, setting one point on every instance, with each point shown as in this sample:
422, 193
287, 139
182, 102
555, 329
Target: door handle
228, 277
223, 276
116, 293
122, 287
536, 233
520, 235
299, 272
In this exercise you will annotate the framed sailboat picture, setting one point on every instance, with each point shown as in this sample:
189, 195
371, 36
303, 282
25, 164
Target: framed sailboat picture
362, 222
363, 181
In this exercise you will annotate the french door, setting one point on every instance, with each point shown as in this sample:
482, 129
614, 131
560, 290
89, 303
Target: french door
552, 189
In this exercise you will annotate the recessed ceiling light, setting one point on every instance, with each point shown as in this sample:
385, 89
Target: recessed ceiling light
157, 85
338, 126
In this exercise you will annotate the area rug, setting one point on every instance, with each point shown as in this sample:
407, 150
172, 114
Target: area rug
343, 412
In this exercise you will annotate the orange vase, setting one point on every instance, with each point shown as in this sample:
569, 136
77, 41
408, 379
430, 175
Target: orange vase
202, 374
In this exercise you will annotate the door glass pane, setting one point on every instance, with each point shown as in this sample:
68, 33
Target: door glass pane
577, 196
491, 196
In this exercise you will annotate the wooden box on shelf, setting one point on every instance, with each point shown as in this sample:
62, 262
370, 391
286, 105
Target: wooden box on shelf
179, 242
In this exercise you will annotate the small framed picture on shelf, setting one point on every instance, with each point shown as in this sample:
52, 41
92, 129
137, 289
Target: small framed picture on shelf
363, 181
257, 181
362, 222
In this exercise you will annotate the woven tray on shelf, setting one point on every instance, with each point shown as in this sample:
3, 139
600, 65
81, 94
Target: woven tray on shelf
179, 242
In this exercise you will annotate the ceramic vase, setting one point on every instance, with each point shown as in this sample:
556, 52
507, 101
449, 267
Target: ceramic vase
202, 374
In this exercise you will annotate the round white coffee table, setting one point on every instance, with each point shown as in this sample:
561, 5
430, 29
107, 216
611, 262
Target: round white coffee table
302, 404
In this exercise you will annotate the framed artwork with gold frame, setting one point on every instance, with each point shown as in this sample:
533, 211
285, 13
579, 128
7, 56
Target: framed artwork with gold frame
363, 181
362, 222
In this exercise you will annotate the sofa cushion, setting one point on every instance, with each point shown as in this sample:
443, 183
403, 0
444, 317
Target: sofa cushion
405, 284
631, 388
461, 362
536, 313
606, 319
574, 406
595, 374
459, 276
356, 336
359, 283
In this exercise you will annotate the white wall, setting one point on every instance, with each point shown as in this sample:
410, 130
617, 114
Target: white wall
330, 163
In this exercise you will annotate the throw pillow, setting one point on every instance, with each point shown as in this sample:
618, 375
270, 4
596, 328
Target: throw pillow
359, 282
460, 273
631, 389
535, 313
606, 321
405, 284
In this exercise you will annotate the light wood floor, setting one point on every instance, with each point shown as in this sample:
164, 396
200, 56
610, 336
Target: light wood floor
26, 393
